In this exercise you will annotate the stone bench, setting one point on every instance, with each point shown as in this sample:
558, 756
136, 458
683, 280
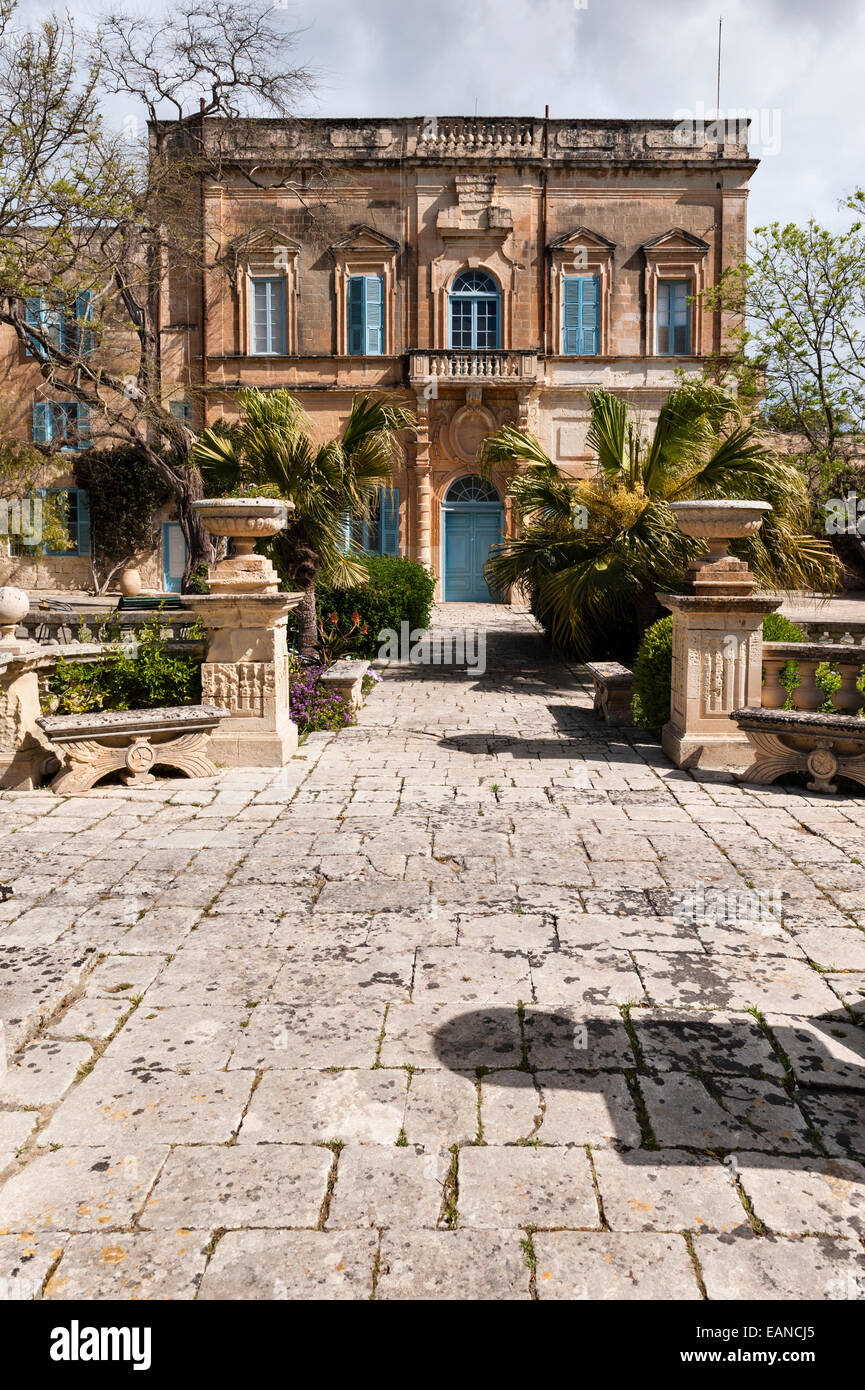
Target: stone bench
346, 677
132, 742
613, 690
827, 746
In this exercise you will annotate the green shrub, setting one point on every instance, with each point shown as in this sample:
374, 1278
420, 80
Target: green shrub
827, 679
150, 679
653, 668
653, 671
399, 590
778, 629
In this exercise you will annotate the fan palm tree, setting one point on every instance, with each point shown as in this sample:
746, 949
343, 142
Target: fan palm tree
332, 485
592, 553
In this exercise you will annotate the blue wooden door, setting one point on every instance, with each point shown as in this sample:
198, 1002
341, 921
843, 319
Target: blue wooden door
469, 533
173, 557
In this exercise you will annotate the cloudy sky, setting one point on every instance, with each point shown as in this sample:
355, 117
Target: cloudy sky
796, 66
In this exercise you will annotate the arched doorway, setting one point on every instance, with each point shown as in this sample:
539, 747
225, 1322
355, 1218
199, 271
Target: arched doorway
472, 521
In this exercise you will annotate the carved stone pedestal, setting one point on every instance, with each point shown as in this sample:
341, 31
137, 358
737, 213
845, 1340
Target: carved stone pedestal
25, 754
246, 672
717, 667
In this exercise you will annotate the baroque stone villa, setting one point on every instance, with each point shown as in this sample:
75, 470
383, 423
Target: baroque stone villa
481, 271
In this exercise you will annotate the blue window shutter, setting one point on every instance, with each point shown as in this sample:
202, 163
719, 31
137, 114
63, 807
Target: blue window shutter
356, 315
681, 316
83, 522
590, 288
389, 521
42, 422
374, 314
83, 417
34, 316
571, 297
84, 314
580, 303
674, 317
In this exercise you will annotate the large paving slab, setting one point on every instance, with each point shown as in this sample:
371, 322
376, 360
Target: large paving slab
478, 1000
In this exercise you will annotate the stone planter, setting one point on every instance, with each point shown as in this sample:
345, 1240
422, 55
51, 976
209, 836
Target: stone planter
717, 523
827, 746
243, 520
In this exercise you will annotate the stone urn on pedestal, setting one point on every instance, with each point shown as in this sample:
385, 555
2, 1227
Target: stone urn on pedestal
717, 638
245, 614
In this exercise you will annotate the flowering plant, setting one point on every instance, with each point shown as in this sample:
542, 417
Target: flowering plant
311, 705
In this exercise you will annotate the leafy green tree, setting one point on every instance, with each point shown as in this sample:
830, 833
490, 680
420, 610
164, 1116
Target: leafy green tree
592, 553
90, 216
331, 484
800, 348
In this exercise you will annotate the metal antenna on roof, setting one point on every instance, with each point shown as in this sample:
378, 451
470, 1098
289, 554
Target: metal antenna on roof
718, 96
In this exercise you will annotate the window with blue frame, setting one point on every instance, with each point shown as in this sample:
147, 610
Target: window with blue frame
474, 311
64, 423
72, 506
379, 533
182, 411
63, 322
674, 317
267, 309
365, 317
580, 301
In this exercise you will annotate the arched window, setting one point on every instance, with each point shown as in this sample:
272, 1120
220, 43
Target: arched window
474, 311
472, 488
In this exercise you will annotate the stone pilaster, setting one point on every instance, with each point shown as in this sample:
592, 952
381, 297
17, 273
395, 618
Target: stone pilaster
423, 484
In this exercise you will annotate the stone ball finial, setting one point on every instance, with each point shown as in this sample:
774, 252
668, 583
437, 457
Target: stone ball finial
14, 605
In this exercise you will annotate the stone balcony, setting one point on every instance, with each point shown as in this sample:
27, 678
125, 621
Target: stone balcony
513, 366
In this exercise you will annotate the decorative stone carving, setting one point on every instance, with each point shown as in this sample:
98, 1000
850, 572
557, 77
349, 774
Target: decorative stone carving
827, 746
247, 671
132, 742
244, 520
717, 642
717, 639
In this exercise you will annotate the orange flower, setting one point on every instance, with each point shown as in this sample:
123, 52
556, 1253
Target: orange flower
334, 619
355, 618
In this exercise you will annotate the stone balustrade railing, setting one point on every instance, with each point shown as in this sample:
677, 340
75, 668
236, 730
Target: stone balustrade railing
847, 660
481, 365
463, 135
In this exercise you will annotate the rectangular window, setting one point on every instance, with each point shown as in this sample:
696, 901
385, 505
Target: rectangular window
674, 317
182, 411
379, 534
62, 323
73, 506
66, 423
365, 315
580, 301
268, 316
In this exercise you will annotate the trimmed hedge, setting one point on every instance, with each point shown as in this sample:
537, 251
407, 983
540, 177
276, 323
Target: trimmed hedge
653, 677
399, 590
653, 668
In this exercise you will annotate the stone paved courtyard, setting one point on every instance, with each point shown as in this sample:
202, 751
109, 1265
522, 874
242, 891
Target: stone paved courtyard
422, 1015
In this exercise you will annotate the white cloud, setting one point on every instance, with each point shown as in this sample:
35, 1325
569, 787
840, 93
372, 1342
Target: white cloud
797, 61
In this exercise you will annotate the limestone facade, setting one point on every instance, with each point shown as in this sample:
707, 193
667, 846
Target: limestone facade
410, 205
